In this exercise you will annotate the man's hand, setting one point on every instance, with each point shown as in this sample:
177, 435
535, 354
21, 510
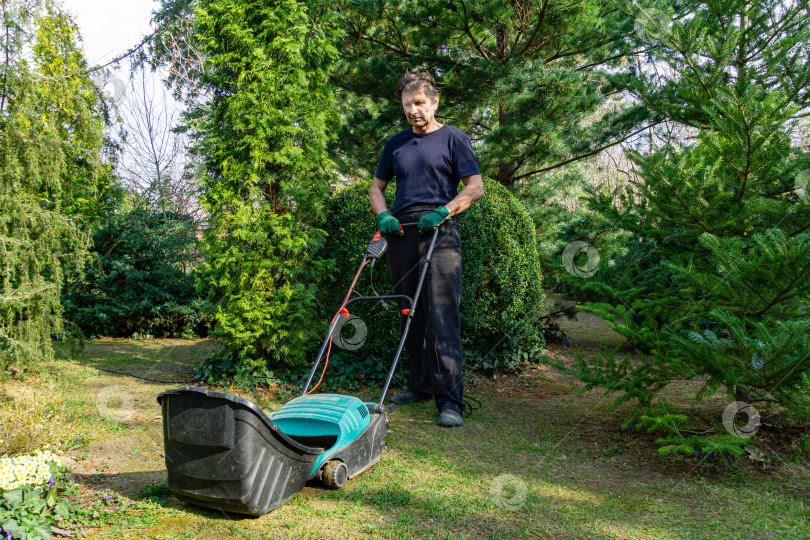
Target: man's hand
433, 220
388, 224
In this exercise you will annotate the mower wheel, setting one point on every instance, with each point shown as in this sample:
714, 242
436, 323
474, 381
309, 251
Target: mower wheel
335, 474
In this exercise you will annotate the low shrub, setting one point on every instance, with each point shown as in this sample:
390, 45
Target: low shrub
501, 284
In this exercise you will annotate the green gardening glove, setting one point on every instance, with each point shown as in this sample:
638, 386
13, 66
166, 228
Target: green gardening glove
388, 224
433, 220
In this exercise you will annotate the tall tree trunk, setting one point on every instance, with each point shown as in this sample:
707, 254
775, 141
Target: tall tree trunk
504, 175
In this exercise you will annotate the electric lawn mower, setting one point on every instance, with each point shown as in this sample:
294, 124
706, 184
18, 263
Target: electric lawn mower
224, 452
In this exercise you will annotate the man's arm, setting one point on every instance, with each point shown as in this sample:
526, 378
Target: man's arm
473, 190
376, 196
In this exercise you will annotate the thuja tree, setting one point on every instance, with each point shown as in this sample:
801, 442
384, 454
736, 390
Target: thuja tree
262, 133
526, 80
51, 181
716, 287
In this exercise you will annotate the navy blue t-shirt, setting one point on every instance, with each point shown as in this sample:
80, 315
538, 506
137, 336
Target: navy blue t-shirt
427, 166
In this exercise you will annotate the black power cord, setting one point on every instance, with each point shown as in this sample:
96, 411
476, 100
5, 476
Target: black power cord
284, 379
144, 378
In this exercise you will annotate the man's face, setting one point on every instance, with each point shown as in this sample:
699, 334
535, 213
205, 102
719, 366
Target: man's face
419, 108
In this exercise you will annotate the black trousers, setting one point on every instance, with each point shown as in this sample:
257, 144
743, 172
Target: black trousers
434, 338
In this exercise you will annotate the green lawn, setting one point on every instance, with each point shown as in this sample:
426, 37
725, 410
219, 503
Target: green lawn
538, 460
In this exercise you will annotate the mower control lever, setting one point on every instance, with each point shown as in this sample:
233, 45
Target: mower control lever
376, 247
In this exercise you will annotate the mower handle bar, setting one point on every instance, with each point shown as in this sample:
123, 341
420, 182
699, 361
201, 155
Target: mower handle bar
413, 301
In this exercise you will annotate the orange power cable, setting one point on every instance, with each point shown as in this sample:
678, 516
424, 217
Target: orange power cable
339, 312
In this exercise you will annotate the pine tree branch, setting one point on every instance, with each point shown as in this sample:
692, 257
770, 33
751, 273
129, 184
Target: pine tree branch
606, 60
20, 344
406, 54
789, 373
583, 156
777, 31
530, 39
15, 241
798, 232
768, 305
128, 53
693, 432
25, 296
468, 31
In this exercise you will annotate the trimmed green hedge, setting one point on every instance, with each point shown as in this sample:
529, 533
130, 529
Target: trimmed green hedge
501, 283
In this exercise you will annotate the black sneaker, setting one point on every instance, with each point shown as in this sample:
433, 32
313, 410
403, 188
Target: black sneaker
450, 418
407, 397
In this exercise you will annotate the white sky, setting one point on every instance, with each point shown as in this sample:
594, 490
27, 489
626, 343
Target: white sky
109, 29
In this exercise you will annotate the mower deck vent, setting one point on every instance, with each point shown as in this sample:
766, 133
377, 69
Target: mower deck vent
363, 411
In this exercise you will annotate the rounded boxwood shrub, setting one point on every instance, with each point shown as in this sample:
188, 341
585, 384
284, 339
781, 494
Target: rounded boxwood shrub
501, 283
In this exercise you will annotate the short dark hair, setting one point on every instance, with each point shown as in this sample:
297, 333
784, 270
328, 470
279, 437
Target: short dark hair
412, 82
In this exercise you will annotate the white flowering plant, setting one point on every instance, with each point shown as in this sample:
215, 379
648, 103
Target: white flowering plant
28, 496
37, 494
37, 468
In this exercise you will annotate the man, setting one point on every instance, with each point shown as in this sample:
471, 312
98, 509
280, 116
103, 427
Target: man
428, 159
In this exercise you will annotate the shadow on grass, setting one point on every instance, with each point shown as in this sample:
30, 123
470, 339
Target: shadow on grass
148, 486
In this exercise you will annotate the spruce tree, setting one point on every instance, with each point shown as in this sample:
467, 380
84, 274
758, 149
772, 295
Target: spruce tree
715, 285
53, 183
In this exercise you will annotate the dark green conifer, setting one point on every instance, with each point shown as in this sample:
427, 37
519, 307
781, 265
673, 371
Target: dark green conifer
716, 284
52, 182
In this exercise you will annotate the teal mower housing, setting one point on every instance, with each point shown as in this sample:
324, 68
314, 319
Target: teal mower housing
225, 453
